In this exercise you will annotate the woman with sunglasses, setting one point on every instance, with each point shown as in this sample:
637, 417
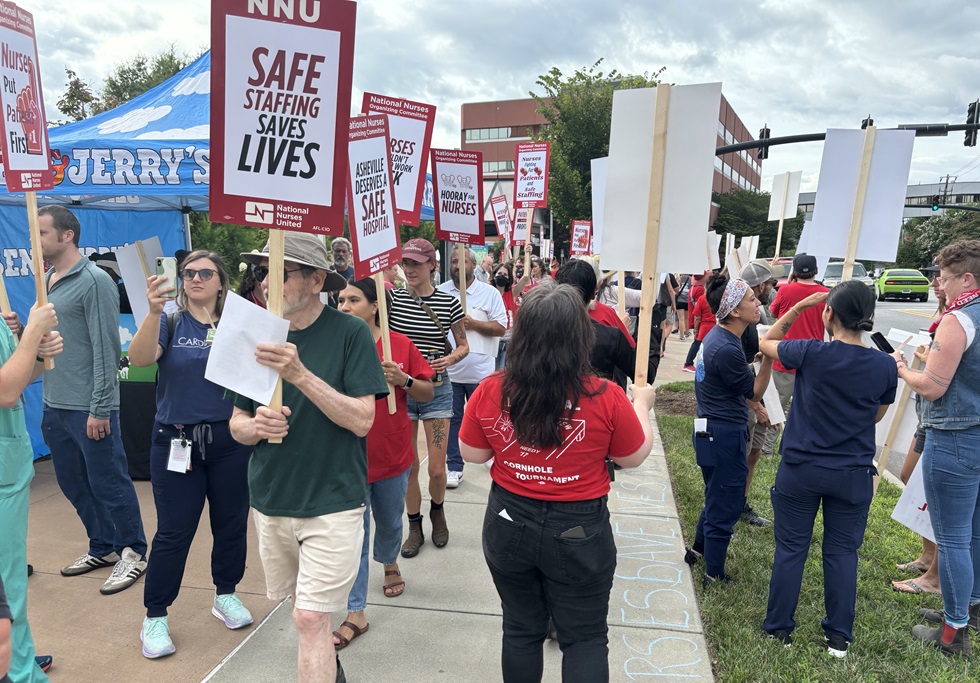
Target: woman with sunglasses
191, 421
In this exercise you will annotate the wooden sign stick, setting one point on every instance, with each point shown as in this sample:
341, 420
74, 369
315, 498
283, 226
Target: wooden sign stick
529, 216
5, 301
782, 212
39, 283
886, 447
621, 294
143, 264
461, 264
847, 271
277, 247
379, 285
652, 247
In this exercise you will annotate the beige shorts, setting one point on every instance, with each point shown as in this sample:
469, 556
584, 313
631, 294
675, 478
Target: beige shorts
313, 559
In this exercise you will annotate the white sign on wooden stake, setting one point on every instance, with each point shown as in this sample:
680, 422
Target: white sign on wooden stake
779, 186
688, 172
599, 169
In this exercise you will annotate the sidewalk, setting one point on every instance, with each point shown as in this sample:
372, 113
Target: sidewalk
445, 627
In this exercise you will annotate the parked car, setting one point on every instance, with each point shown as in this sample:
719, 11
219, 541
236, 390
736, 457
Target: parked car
830, 278
902, 283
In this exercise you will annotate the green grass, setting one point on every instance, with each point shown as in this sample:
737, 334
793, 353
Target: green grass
677, 387
883, 651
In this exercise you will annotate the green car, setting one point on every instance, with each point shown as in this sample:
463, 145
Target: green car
902, 283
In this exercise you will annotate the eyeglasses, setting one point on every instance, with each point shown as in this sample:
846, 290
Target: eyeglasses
205, 274
261, 272
943, 280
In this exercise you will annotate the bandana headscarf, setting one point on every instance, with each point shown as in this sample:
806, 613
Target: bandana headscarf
960, 301
734, 291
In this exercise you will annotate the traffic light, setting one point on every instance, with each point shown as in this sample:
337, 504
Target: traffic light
970, 140
764, 148
935, 202
867, 122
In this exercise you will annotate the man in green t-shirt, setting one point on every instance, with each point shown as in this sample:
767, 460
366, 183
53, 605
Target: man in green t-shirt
309, 491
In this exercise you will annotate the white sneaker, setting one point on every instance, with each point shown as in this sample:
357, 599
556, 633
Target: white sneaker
155, 637
453, 478
87, 563
125, 573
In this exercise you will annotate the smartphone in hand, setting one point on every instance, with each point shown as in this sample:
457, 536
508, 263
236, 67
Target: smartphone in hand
878, 339
167, 267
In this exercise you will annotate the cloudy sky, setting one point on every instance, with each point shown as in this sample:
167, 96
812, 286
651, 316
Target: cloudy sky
800, 66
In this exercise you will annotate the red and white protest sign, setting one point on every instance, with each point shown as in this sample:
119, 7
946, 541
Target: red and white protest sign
519, 231
457, 182
531, 174
581, 237
371, 203
26, 156
410, 127
280, 106
501, 217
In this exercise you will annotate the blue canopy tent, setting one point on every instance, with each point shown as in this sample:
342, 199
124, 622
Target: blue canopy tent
134, 172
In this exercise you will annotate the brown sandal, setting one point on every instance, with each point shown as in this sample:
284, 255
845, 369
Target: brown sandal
393, 590
356, 630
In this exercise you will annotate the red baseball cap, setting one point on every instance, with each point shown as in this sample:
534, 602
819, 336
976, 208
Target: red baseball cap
418, 250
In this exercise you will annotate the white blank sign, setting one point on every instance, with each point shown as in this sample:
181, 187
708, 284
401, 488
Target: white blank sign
884, 203
792, 195
692, 129
599, 168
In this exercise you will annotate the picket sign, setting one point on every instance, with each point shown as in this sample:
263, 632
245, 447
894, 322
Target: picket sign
888, 444
847, 271
911, 510
789, 199
273, 300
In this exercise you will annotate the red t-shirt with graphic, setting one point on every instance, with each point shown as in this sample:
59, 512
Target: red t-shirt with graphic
606, 315
389, 443
604, 424
510, 306
703, 310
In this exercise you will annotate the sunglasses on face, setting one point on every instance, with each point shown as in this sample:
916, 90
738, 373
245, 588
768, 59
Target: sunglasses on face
205, 274
261, 272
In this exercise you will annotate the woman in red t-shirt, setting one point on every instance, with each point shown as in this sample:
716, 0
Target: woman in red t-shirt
390, 456
549, 423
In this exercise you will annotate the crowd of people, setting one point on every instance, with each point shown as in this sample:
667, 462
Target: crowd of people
533, 378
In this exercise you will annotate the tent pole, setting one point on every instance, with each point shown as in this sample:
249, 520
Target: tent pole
186, 218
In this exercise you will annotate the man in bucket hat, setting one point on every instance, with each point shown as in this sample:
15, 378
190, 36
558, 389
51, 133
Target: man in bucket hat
308, 492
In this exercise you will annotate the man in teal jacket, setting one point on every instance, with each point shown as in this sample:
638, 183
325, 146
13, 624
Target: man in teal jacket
18, 367
81, 407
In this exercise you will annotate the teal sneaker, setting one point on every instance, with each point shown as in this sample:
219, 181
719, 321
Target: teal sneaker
155, 637
230, 610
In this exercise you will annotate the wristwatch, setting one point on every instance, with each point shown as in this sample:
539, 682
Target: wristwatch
408, 383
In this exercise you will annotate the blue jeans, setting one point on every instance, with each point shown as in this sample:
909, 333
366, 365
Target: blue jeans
94, 477
461, 394
724, 467
951, 472
796, 497
218, 475
386, 499
539, 573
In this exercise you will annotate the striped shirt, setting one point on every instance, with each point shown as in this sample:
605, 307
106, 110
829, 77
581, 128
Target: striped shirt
408, 318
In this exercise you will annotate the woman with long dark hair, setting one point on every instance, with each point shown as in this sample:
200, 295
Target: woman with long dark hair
723, 382
549, 423
827, 453
390, 456
191, 419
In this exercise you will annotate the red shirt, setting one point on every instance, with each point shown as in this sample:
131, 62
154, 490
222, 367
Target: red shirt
703, 310
389, 443
602, 424
807, 326
606, 315
509, 306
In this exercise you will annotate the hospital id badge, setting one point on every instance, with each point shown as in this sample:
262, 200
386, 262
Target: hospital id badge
209, 339
180, 456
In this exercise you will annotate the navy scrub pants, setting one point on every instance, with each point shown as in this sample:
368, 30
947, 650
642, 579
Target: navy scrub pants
721, 455
796, 496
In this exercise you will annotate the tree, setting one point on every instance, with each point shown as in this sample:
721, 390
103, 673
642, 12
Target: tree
924, 237
578, 109
745, 213
78, 99
228, 240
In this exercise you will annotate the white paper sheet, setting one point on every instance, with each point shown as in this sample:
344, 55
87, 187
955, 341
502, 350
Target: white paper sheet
912, 510
231, 363
771, 397
714, 242
792, 194
134, 277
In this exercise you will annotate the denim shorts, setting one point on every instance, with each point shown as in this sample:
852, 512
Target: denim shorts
441, 405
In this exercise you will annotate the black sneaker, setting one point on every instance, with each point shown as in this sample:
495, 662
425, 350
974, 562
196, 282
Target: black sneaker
936, 616
836, 646
780, 636
711, 580
341, 676
692, 556
934, 636
751, 517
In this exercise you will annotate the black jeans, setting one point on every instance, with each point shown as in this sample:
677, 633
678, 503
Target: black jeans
538, 573
219, 475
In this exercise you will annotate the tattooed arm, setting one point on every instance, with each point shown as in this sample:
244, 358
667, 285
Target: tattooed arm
462, 349
945, 354
769, 345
